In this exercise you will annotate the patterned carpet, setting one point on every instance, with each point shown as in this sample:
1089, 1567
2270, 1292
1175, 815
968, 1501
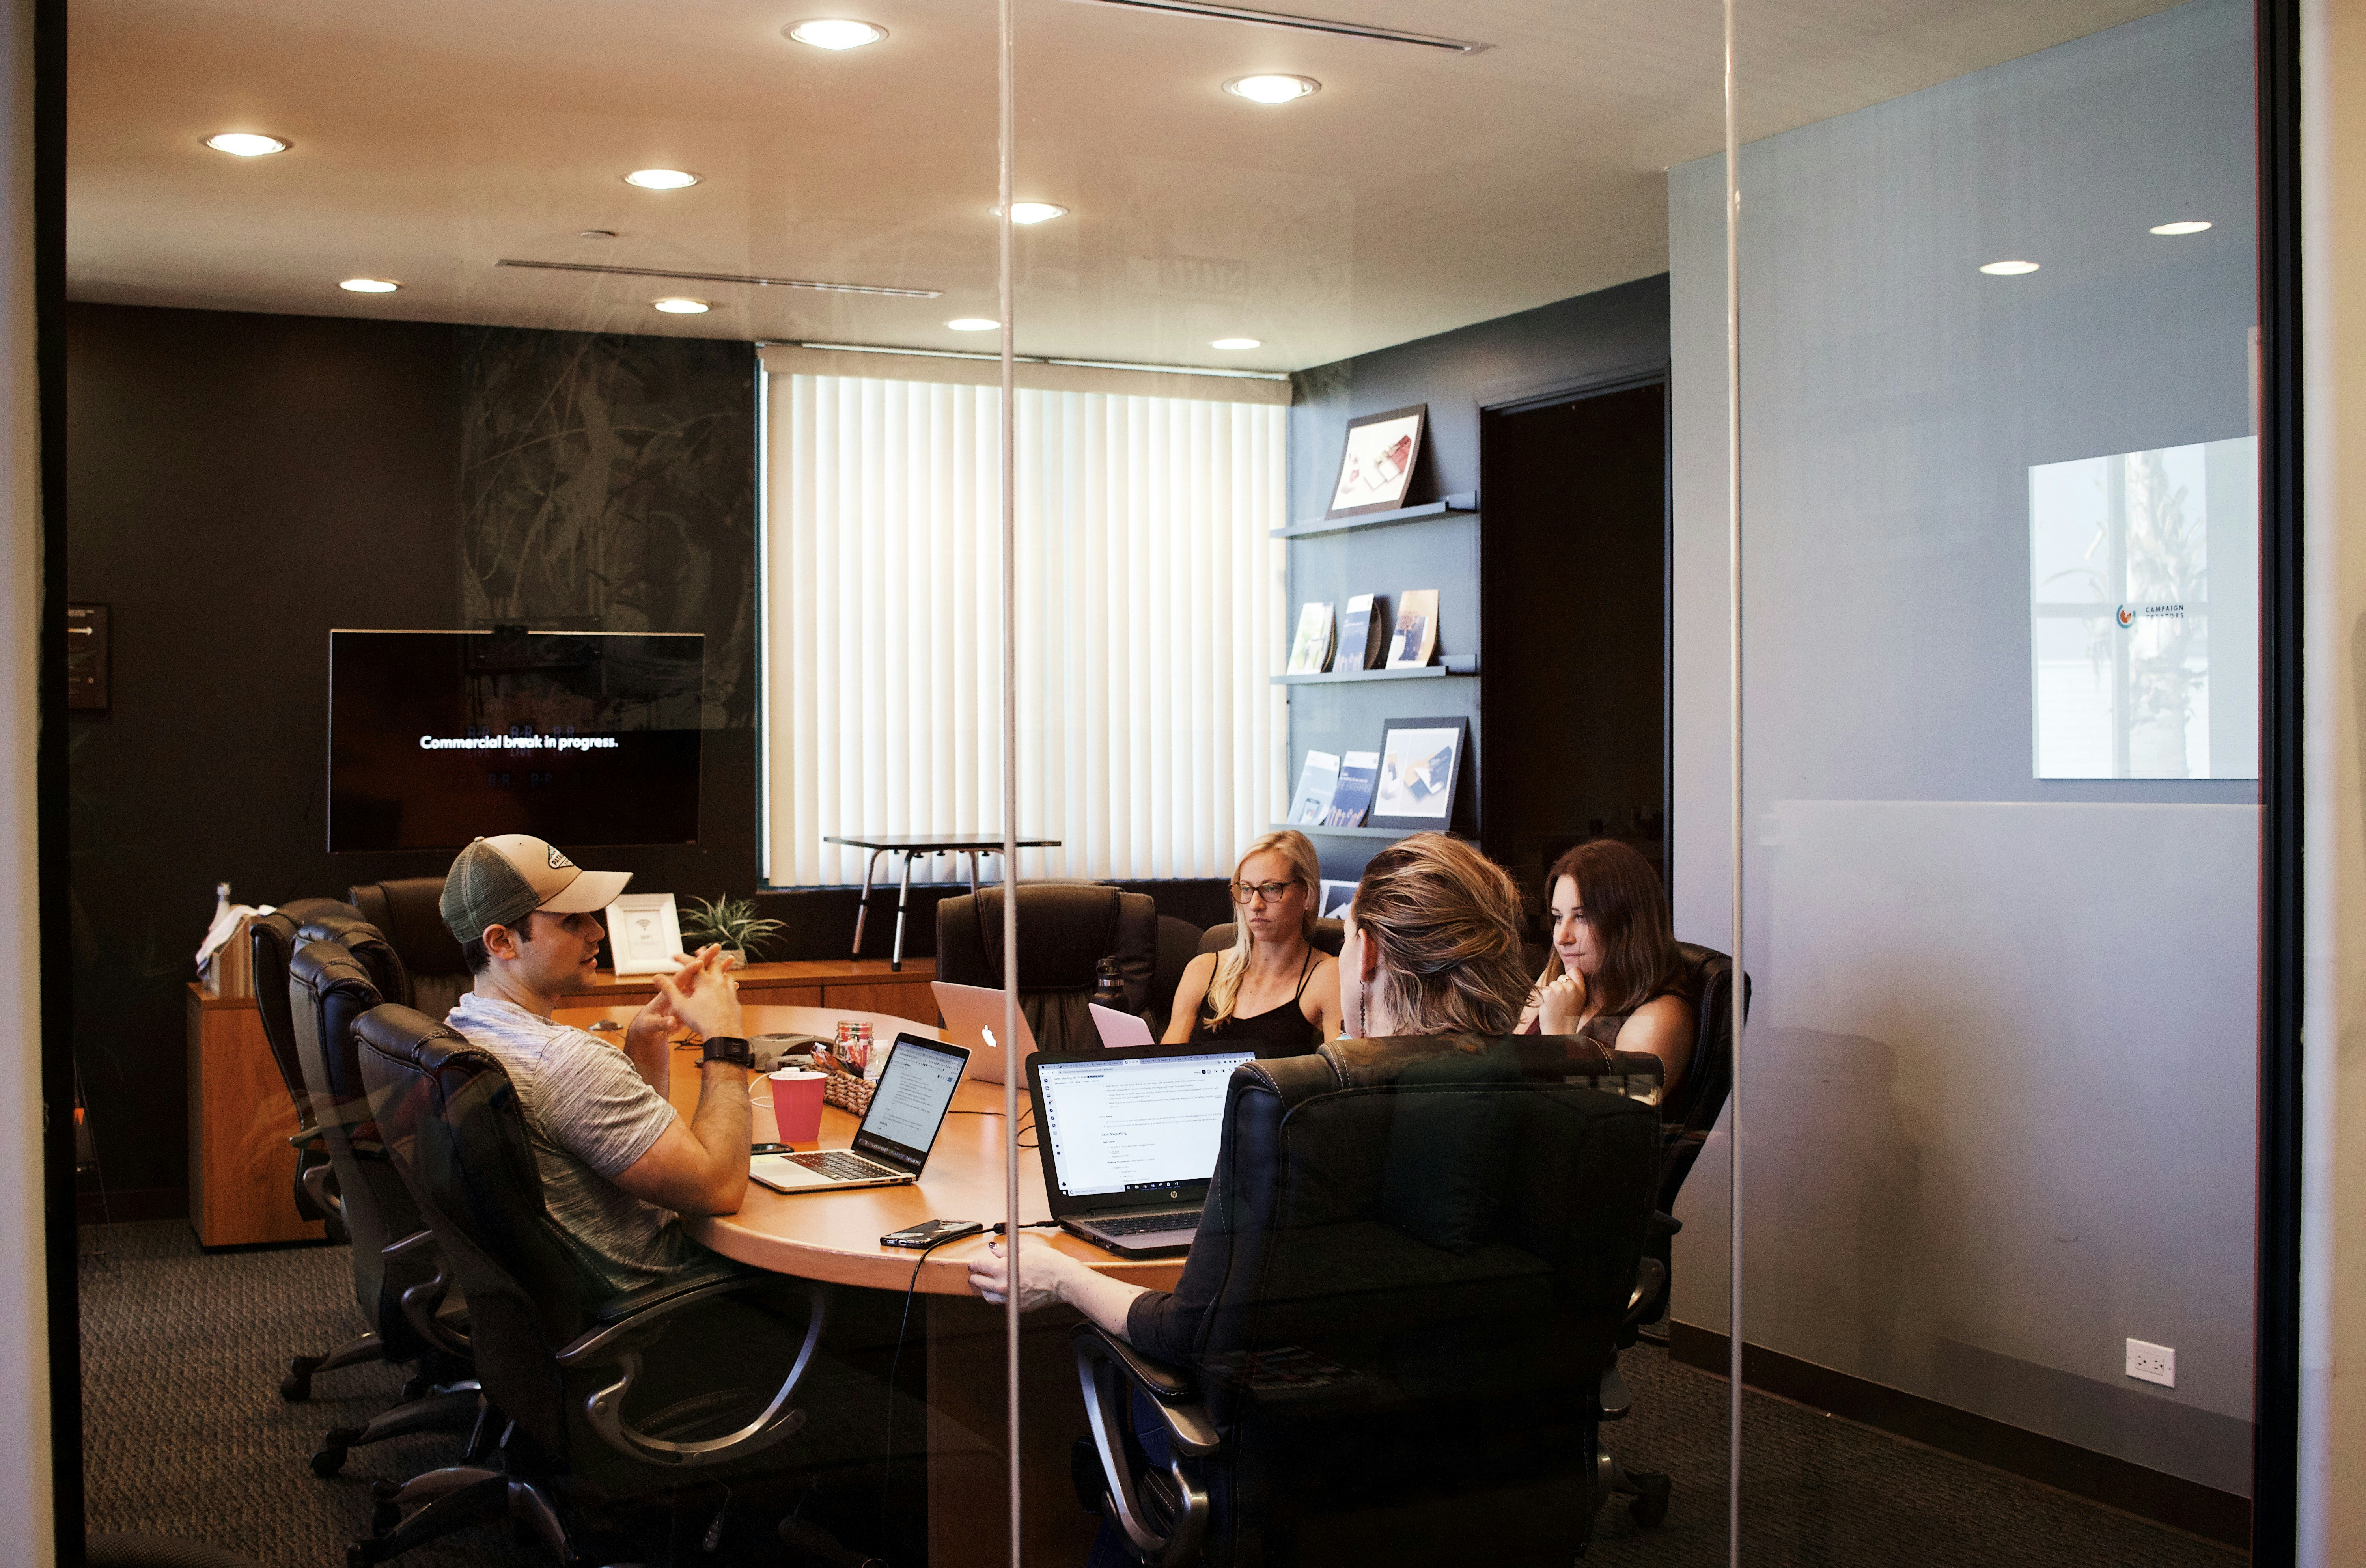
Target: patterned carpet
187, 1435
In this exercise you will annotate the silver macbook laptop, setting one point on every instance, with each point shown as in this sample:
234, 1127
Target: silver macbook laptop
973, 1016
915, 1089
1130, 1139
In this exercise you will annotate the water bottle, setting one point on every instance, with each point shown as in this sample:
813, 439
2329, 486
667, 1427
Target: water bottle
1108, 986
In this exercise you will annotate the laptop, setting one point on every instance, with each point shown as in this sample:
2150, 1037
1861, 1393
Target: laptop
973, 1016
1118, 1030
915, 1089
1130, 1139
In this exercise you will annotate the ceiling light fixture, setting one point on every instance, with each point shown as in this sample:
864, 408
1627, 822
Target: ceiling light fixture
1031, 212
1272, 88
678, 307
971, 325
1230, 343
369, 285
245, 144
2008, 269
597, 235
2190, 226
835, 33
750, 279
661, 179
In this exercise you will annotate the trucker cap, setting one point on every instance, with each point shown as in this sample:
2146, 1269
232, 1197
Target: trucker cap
500, 880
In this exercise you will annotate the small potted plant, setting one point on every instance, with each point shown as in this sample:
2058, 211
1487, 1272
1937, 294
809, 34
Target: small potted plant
735, 923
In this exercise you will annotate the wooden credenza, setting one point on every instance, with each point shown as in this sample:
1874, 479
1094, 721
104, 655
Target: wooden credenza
242, 1170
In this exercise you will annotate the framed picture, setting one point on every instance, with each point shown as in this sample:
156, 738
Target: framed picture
1377, 466
1420, 760
87, 687
1334, 899
644, 934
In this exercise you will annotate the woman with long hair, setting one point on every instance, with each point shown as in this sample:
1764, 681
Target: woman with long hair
1615, 975
1273, 987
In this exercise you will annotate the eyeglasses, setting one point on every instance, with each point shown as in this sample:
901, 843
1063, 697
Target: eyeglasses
1249, 892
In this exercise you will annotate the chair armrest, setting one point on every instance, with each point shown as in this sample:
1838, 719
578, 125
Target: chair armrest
1651, 1283
1163, 1381
1106, 1370
307, 1137
320, 1185
423, 1299
617, 1337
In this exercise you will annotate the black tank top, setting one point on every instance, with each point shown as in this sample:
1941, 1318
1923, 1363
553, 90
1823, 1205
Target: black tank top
1282, 1031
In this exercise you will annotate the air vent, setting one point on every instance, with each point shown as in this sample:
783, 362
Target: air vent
1299, 24
731, 277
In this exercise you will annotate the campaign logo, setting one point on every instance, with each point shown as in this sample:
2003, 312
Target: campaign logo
2128, 617
2129, 614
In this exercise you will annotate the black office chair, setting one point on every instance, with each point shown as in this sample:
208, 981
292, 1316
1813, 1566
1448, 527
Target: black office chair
565, 1364
1690, 1116
1415, 1259
409, 912
1066, 929
1328, 935
271, 942
1178, 944
401, 1288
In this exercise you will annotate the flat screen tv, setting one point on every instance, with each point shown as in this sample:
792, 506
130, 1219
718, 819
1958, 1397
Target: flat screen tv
584, 738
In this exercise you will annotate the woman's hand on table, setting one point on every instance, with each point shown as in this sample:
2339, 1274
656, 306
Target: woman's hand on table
1046, 1274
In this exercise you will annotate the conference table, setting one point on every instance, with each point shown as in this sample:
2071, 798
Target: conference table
834, 1236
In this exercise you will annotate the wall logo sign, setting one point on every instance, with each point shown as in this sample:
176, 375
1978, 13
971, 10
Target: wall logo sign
2129, 614
2128, 617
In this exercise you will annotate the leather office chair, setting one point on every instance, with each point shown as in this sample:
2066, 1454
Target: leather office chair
1066, 929
409, 911
399, 1289
1178, 944
559, 1359
1414, 1266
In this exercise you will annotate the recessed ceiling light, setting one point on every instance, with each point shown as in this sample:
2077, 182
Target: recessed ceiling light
835, 33
369, 285
971, 325
661, 179
245, 144
678, 307
2190, 226
2008, 269
1273, 89
1233, 342
1031, 212
597, 235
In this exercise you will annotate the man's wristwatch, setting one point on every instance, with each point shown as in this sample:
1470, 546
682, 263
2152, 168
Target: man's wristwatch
725, 1048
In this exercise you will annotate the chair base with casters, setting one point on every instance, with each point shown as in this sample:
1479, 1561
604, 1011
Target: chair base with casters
297, 1386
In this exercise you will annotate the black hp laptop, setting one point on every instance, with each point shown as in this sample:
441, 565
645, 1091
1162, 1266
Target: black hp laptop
1130, 1139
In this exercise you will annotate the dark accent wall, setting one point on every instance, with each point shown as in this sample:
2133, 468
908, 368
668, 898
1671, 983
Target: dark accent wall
1612, 335
238, 485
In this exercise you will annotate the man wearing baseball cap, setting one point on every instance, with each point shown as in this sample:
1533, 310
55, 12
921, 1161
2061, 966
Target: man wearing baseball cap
618, 1165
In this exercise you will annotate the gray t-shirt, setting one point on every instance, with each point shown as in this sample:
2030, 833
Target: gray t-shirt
588, 1115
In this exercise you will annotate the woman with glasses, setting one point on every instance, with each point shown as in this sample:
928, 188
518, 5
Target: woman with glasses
1273, 989
1615, 974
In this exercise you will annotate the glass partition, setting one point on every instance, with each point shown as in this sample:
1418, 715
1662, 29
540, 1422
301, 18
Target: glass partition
2000, 806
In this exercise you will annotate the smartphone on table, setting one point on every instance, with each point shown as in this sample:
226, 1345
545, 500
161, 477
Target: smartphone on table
931, 1232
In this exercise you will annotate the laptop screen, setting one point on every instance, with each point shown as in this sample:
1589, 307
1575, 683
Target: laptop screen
1121, 1122
915, 1089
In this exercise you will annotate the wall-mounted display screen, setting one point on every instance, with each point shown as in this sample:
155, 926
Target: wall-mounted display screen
2144, 620
584, 738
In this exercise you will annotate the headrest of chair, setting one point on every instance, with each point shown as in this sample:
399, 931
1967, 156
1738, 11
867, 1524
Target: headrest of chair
1065, 929
368, 945
302, 910
1328, 937
324, 965
410, 912
1430, 1059
414, 1040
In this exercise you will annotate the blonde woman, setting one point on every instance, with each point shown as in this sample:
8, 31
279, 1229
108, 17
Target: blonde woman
1273, 989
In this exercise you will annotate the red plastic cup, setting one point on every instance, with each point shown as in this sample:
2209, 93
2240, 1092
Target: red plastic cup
796, 1105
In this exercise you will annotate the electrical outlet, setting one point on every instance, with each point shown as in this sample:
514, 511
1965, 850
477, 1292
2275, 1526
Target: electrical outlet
2153, 1363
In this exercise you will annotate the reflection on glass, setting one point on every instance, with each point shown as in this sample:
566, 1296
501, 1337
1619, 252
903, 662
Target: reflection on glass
2124, 552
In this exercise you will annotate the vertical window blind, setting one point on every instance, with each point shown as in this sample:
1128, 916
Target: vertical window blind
1152, 741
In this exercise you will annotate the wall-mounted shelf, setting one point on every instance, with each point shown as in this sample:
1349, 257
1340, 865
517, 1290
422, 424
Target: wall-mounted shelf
1463, 505
1315, 832
1420, 672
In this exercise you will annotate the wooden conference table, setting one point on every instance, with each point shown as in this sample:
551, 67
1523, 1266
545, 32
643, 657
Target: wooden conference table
834, 1236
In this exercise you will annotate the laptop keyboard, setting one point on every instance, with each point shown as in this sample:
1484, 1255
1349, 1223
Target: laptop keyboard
1143, 1225
839, 1165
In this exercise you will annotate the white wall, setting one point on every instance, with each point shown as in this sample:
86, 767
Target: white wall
2001, 1075
2333, 1325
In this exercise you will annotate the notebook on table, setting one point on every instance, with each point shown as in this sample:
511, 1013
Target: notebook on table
915, 1089
1129, 1140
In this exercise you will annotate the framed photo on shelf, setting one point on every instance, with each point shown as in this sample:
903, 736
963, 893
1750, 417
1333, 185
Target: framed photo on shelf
644, 934
1421, 759
1336, 896
1375, 467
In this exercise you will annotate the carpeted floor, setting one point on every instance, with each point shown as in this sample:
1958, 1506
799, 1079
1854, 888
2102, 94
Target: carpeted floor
186, 1434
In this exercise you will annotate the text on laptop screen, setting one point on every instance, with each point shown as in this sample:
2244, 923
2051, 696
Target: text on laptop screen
910, 1103
1137, 1121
